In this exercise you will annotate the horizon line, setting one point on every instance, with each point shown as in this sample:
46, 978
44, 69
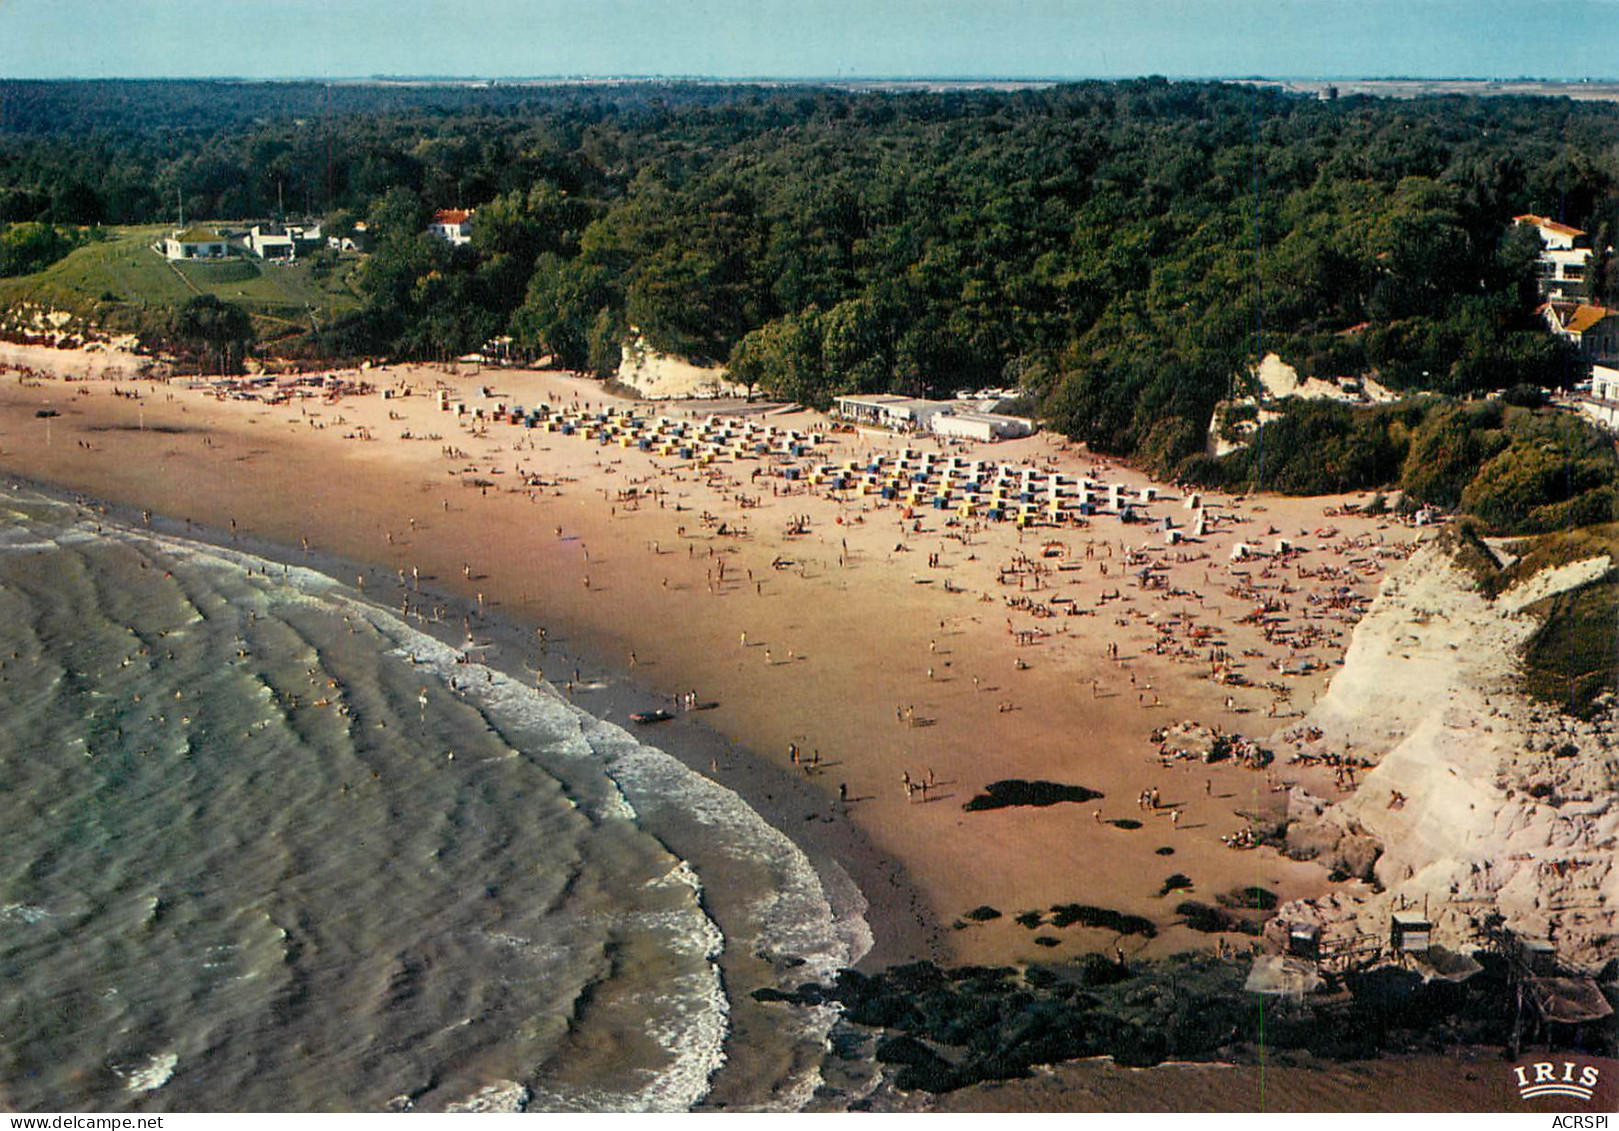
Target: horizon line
808, 80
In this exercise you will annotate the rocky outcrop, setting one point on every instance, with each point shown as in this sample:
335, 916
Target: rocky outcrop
1479, 799
661, 376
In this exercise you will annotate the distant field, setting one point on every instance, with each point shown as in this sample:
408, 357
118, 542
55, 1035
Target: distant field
124, 270
1426, 88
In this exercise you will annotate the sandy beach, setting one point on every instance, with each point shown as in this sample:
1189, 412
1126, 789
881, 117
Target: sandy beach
872, 647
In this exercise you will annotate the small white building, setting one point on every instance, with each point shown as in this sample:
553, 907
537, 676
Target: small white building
195, 243
1604, 383
356, 242
266, 243
452, 224
886, 410
1602, 403
962, 424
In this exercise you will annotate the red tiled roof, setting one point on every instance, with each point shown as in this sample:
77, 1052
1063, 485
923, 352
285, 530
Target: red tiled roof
1549, 225
1585, 317
451, 216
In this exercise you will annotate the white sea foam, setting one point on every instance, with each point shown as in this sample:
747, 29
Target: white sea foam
795, 919
151, 1075
502, 1096
22, 913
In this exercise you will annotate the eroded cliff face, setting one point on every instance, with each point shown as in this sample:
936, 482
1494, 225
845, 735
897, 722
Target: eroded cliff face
1479, 798
659, 376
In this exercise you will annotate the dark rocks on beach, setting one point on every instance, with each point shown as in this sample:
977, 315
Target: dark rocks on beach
1067, 914
1047, 940
902, 1049
1165, 851
1093, 970
1249, 898
983, 914
1177, 882
994, 974
1030, 919
770, 993
948, 1029
1213, 920
1015, 791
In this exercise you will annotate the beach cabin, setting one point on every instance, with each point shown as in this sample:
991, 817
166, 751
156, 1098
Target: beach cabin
1410, 932
1538, 956
1304, 941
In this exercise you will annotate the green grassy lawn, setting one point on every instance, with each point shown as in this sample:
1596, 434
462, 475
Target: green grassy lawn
124, 271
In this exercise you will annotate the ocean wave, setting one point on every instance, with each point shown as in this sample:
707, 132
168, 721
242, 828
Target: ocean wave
795, 918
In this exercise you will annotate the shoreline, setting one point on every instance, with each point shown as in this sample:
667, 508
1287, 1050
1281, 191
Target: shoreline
873, 906
874, 909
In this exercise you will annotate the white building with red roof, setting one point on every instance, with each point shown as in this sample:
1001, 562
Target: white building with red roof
1593, 330
453, 224
1565, 259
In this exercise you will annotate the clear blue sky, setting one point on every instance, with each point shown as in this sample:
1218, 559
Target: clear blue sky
1569, 39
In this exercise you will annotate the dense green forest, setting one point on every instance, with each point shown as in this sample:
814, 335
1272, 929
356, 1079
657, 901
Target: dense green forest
1122, 251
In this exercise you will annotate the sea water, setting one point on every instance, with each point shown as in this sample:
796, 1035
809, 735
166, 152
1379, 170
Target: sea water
267, 846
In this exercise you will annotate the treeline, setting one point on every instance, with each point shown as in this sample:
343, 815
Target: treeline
1512, 467
26, 248
1121, 251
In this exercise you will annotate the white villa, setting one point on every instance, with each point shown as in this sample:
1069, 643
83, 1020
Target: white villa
1565, 259
452, 224
265, 243
282, 241
195, 242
